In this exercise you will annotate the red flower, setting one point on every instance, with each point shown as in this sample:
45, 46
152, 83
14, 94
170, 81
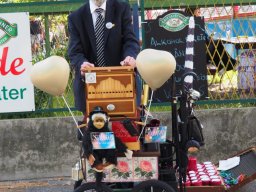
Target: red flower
123, 166
146, 166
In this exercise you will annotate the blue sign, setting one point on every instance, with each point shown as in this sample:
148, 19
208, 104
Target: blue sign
155, 134
103, 140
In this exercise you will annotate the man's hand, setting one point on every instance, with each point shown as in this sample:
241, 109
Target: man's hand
128, 61
85, 66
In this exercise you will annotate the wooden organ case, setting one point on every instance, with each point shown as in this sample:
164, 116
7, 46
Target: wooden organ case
113, 89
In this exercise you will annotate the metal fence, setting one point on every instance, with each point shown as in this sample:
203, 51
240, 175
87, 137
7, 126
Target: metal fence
230, 48
231, 25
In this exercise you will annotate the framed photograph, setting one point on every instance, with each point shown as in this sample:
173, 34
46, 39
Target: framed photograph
103, 140
155, 134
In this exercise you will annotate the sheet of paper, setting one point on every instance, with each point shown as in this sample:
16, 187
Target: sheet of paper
228, 163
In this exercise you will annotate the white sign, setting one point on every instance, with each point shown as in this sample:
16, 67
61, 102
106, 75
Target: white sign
16, 89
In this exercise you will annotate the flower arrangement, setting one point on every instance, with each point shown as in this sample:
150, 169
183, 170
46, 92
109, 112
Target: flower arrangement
121, 171
144, 169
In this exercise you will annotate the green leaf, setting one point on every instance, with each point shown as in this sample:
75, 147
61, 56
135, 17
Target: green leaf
151, 174
114, 170
137, 169
120, 174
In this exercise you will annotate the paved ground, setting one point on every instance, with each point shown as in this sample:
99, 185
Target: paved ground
250, 187
61, 184
65, 184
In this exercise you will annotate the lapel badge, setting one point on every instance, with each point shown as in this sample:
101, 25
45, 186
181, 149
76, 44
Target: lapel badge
109, 25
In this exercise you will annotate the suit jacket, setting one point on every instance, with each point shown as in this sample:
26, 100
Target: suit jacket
119, 41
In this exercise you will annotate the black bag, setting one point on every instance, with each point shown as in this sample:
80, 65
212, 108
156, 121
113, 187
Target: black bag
195, 130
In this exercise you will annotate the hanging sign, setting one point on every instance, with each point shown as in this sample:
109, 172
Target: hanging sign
169, 32
16, 89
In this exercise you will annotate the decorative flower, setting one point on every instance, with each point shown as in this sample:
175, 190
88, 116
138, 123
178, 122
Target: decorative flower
144, 170
122, 170
123, 166
146, 166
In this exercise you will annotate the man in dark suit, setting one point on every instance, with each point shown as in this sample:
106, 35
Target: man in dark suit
120, 44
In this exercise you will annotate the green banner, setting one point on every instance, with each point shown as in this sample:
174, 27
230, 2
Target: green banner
10, 31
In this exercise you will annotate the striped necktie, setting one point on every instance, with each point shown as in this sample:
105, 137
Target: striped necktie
99, 35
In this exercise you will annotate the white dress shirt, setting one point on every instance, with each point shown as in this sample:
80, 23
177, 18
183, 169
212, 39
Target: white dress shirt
93, 7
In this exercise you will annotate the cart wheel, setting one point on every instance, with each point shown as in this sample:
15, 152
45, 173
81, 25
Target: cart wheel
153, 186
93, 187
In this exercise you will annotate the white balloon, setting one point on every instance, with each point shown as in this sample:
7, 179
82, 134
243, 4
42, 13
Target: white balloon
51, 75
155, 66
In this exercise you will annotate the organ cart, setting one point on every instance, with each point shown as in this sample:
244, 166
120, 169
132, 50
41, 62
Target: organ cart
156, 163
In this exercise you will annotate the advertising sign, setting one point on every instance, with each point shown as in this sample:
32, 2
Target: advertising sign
169, 32
16, 89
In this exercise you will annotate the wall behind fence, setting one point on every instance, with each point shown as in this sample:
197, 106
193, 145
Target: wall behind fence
47, 147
